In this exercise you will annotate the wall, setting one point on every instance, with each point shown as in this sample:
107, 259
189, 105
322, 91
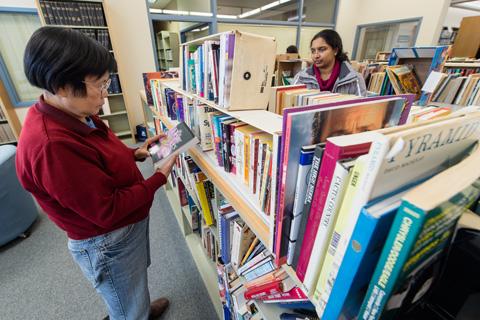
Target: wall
130, 35
455, 15
285, 36
21, 112
356, 12
18, 3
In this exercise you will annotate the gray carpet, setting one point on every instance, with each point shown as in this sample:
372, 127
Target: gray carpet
39, 280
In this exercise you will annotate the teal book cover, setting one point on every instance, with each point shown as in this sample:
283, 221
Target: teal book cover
414, 246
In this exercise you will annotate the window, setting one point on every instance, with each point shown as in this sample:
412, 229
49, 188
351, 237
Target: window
373, 38
17, 26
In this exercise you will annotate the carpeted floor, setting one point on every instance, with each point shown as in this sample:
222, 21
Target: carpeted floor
39, 280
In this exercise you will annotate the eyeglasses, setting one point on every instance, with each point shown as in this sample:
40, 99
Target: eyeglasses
103, 87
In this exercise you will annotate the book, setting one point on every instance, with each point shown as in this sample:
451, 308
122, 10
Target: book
304, 166
312, 179
176, 140
420, 235
362, 256
313, 124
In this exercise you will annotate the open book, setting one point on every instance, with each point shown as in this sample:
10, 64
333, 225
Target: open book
176, 140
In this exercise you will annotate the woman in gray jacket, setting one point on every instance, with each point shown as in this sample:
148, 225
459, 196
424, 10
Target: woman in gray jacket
331, 70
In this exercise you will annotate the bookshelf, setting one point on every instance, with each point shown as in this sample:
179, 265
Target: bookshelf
167, 49
9, 124
88, 17
233, 190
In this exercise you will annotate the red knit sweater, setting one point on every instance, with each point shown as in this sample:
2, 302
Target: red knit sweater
85, 179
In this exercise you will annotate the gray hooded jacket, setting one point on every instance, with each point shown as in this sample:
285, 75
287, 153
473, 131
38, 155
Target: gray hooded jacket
349, 81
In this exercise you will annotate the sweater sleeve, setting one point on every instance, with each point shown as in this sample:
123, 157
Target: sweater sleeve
77, 181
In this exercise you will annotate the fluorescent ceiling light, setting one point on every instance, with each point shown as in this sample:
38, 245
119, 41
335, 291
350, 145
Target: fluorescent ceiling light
249, 13
283, 1
156, 10
295, 18
203, 14
180, 13
270, 5
204, 28
226, 16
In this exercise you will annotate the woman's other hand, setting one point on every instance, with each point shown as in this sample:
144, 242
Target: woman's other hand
142, 152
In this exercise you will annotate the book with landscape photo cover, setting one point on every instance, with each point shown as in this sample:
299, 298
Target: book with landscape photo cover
176, 140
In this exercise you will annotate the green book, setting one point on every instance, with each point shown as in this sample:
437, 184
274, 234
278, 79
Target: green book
419, 237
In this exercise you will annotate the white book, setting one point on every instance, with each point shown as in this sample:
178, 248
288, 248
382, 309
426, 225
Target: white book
327, 222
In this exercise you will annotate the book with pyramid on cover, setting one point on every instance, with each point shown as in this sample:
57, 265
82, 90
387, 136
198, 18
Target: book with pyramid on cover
175, 141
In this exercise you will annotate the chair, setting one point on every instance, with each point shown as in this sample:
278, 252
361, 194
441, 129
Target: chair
17, 208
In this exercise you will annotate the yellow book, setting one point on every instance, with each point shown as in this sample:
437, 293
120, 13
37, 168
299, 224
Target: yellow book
243, 156
204, 203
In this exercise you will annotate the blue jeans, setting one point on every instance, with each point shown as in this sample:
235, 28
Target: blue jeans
116, 265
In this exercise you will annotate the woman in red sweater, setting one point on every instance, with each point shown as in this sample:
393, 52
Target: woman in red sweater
83, 176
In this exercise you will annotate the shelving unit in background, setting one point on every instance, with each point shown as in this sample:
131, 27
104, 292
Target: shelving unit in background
167, 48
9, 124
88, 17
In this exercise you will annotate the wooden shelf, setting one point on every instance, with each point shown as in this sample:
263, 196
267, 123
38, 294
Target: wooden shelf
123, 133
462, 65
77, 27
119, 113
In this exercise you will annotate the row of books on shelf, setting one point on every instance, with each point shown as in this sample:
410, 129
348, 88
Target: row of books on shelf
208, 70
453, 88
329, 226
115, 87
462, 71
6, 133
74, 13
239, 148
283, 97
98, 35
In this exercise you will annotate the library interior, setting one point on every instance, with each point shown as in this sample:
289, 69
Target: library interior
240, 159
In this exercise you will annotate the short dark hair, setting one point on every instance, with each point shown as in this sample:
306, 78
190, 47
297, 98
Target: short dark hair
332, 38
58, 57
292, 49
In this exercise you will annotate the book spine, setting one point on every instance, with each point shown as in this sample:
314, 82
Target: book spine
329, 161
255, 260
294, 294
327, 222
401, 238
264, 290
312, 180
259, 271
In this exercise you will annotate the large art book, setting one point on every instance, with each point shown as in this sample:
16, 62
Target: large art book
314, 124
176, 140
420, 235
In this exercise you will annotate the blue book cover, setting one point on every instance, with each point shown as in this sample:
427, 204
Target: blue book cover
361, 257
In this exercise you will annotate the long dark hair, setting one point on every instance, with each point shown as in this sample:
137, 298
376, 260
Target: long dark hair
333, 39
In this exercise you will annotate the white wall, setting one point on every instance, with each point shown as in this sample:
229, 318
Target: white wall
455, 15
18, 3
356, 12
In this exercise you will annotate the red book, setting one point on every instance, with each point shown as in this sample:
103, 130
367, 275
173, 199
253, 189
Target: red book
182, 193
336, 148
293, 294
263, 290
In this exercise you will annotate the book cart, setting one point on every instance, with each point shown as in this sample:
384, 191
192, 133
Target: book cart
90, 18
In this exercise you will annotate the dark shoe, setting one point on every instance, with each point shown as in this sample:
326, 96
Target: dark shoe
106, 318
158, 307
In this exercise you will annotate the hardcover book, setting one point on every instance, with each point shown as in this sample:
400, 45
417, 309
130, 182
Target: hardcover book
176, 140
